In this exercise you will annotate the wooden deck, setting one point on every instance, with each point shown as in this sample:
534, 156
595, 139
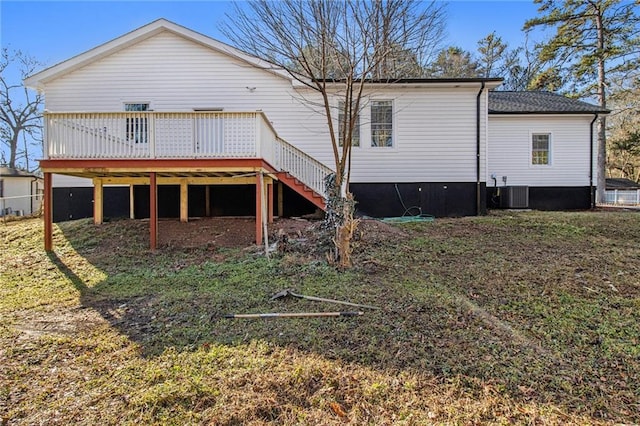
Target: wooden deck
176, 148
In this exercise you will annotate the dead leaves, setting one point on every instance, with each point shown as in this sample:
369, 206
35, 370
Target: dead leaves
338, 410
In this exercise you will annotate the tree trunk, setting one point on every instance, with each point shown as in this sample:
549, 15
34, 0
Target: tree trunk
602, 121
344, 233
13, 148
602, 160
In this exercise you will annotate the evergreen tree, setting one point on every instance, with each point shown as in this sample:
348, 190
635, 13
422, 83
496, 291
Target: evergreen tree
593, 40
454, 62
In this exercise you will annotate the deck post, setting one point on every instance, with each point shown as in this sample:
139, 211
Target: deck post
98, 201
207, 200
48, 212
259, 194
132, 209
184, 201
280, 200
153, 211
270, 202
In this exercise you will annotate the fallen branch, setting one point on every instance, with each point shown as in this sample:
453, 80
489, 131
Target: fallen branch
296, 315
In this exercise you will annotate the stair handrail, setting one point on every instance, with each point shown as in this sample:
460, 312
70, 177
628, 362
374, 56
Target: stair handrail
301, 166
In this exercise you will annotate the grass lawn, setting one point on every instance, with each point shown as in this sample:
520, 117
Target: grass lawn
511, 318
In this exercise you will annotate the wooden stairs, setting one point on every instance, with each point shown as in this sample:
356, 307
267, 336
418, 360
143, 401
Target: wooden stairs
302, 189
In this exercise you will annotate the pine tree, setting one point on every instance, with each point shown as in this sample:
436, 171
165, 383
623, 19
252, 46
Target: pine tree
593, 40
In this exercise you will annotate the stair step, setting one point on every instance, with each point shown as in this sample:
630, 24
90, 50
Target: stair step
301, 188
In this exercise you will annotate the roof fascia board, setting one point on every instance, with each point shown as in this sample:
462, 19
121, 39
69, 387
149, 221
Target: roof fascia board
454, 84
563, 113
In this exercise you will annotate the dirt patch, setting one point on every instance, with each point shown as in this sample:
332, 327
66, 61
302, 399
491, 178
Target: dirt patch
239, 232
57, 323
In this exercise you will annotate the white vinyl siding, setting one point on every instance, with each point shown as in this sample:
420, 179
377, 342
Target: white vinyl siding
61, 181
176, 74
434, 128
510, 150
434, 137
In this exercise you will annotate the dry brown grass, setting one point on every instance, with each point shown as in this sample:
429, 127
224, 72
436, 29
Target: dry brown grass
527, 318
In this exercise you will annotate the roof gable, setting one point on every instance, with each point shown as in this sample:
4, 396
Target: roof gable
40, 79
538, 103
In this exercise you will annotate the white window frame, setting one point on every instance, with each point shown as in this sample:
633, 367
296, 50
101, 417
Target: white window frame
393, 145
549, 135
125, 103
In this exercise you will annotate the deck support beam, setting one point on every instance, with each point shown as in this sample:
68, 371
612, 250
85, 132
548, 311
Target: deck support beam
98, 201
153, 211
184, 201
48, 212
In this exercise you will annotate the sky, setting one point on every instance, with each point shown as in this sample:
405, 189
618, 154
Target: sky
53, 31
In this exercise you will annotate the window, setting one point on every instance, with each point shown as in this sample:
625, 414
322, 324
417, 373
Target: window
355, 136
137, 127
1, 188
540, 149
382, 123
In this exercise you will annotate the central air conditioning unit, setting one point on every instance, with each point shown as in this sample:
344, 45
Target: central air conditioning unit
514, 197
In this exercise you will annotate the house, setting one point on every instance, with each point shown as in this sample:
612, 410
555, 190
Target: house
20, 192
165, 121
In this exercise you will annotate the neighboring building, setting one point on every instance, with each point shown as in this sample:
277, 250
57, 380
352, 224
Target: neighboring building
622, 192
20, 192
189, 126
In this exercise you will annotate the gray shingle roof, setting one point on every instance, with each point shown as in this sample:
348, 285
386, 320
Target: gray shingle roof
621, 183
538, 103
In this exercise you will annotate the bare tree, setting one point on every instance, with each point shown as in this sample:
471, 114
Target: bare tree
20, 109
354, 40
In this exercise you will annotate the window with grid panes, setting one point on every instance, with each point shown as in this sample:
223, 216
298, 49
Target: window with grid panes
540, 149
381, 123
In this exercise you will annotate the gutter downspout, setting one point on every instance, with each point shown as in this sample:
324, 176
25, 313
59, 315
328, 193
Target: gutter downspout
478, 198
591, 191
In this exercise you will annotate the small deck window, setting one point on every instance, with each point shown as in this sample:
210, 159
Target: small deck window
137, 127
382, 123
540, 149
355, 136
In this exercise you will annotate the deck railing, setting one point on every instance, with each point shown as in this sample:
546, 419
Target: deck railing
125, 135
177, 135
302, 166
